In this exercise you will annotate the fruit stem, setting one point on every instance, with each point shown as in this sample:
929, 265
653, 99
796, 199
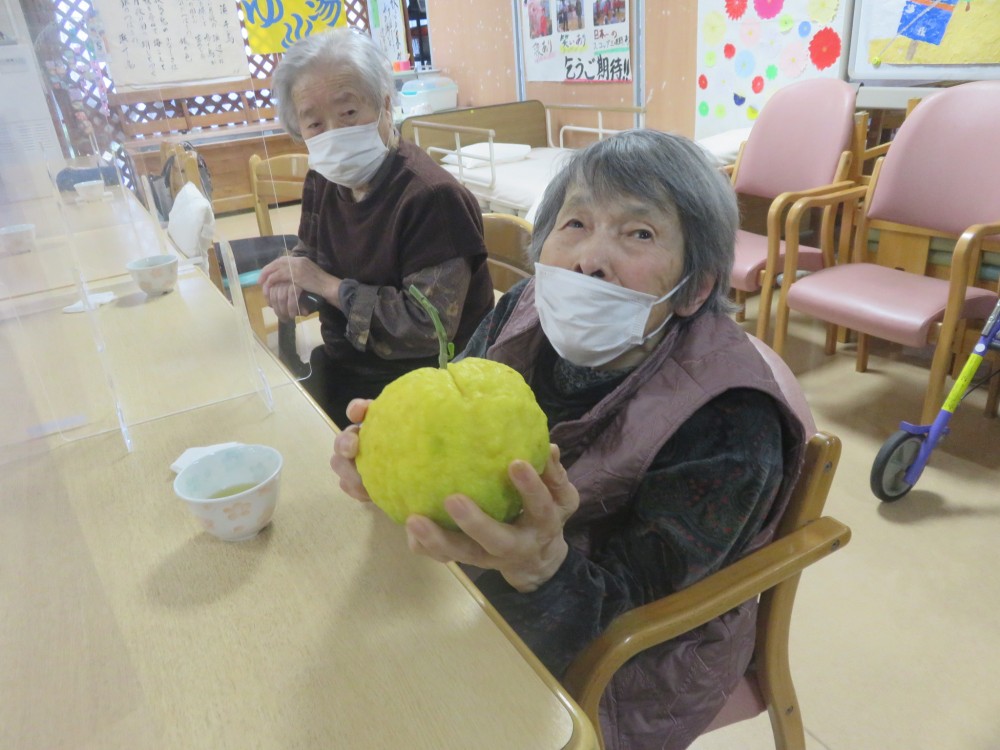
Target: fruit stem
446, 349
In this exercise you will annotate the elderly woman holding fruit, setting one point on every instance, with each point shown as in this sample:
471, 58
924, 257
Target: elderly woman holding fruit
673, 449
378, 214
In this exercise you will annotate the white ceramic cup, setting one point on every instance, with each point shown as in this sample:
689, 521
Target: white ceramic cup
155, 274
90, 190
232, 492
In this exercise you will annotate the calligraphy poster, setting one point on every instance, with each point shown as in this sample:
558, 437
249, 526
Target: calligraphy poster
275, 25
388, 31
576, 40
158, 42
748, 49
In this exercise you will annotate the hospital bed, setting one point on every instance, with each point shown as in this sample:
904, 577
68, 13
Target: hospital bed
506, 154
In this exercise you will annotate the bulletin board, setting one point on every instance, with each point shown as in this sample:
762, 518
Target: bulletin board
925, 40
159, 42
748, 49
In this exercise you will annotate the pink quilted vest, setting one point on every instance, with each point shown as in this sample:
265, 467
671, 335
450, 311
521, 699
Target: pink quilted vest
665, 697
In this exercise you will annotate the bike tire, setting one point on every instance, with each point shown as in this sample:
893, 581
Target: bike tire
896, 455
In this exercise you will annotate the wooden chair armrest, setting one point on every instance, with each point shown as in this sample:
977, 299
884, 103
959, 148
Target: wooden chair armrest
786, 199
875, 151
657, 622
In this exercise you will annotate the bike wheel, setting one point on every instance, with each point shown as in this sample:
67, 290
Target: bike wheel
896, 455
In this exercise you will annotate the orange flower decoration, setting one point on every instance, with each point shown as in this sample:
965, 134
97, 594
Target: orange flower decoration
736, 8
824, 48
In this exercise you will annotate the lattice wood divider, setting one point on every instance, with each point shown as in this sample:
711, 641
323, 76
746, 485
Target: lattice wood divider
80, 82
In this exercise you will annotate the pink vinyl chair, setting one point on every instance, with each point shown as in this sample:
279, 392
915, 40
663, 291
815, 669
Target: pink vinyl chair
938, 180
799, 146
804, 537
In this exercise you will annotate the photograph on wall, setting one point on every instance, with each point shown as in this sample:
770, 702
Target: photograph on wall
576, 41
748, 49
275, 25
941, 32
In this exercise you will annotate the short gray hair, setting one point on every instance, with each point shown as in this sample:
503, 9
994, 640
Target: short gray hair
667, 171
333, 49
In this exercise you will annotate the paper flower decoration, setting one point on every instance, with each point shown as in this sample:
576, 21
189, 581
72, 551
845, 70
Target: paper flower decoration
736, 8
822, 11
750, 32
824, 48
768, 8
744, 64
713, 28
793, 60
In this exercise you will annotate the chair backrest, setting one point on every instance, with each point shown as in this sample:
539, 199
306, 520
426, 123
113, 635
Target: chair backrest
942, 168
507, 240
773, 572
798, 139
279, 179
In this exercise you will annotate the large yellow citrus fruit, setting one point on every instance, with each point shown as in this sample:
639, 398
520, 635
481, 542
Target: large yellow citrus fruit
437, 432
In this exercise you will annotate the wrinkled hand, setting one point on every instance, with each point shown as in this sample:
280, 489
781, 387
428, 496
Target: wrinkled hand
345, 450
527, 552
302, 273
284, 300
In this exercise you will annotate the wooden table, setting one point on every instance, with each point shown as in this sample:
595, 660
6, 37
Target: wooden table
97, 238
124, 625
163, 354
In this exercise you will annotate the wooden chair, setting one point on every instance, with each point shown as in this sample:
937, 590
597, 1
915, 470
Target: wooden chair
772, 573
279, 179
274, 181
507, 240
927, 186
799, 146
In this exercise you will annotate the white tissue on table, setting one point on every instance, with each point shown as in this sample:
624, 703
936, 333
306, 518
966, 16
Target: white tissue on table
193, 454
96, 300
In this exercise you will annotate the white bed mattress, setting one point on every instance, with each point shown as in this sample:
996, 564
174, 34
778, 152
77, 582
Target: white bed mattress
519, 184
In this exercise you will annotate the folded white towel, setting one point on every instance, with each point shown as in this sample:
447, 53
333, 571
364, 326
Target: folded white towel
193, 454
96, 300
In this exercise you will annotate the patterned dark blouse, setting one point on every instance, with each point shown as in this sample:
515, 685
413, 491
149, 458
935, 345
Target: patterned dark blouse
694, 512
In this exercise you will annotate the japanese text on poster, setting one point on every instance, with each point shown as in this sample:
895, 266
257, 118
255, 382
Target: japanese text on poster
153, 42
577, 40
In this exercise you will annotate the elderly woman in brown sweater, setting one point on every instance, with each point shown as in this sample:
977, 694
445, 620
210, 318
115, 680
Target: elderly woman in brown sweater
674, 450
378, 215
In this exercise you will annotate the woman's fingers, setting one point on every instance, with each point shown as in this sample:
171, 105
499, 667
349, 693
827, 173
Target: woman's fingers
427, 538
357, 409
345, 449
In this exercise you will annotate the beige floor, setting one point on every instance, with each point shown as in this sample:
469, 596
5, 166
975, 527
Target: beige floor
896, 639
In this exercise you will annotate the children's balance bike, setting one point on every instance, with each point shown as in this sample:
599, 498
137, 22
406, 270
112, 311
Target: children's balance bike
902, 458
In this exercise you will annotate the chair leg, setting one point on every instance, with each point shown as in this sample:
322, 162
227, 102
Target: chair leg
831, 339
253, 297
764, 310
741, 300
935, 386
861, 364
993, 396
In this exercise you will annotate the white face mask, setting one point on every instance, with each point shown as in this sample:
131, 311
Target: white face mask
348, 156
589, 321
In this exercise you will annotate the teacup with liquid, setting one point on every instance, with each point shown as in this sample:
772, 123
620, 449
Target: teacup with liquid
232, 492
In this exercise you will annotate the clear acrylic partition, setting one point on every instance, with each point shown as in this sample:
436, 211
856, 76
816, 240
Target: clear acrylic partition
104, 100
